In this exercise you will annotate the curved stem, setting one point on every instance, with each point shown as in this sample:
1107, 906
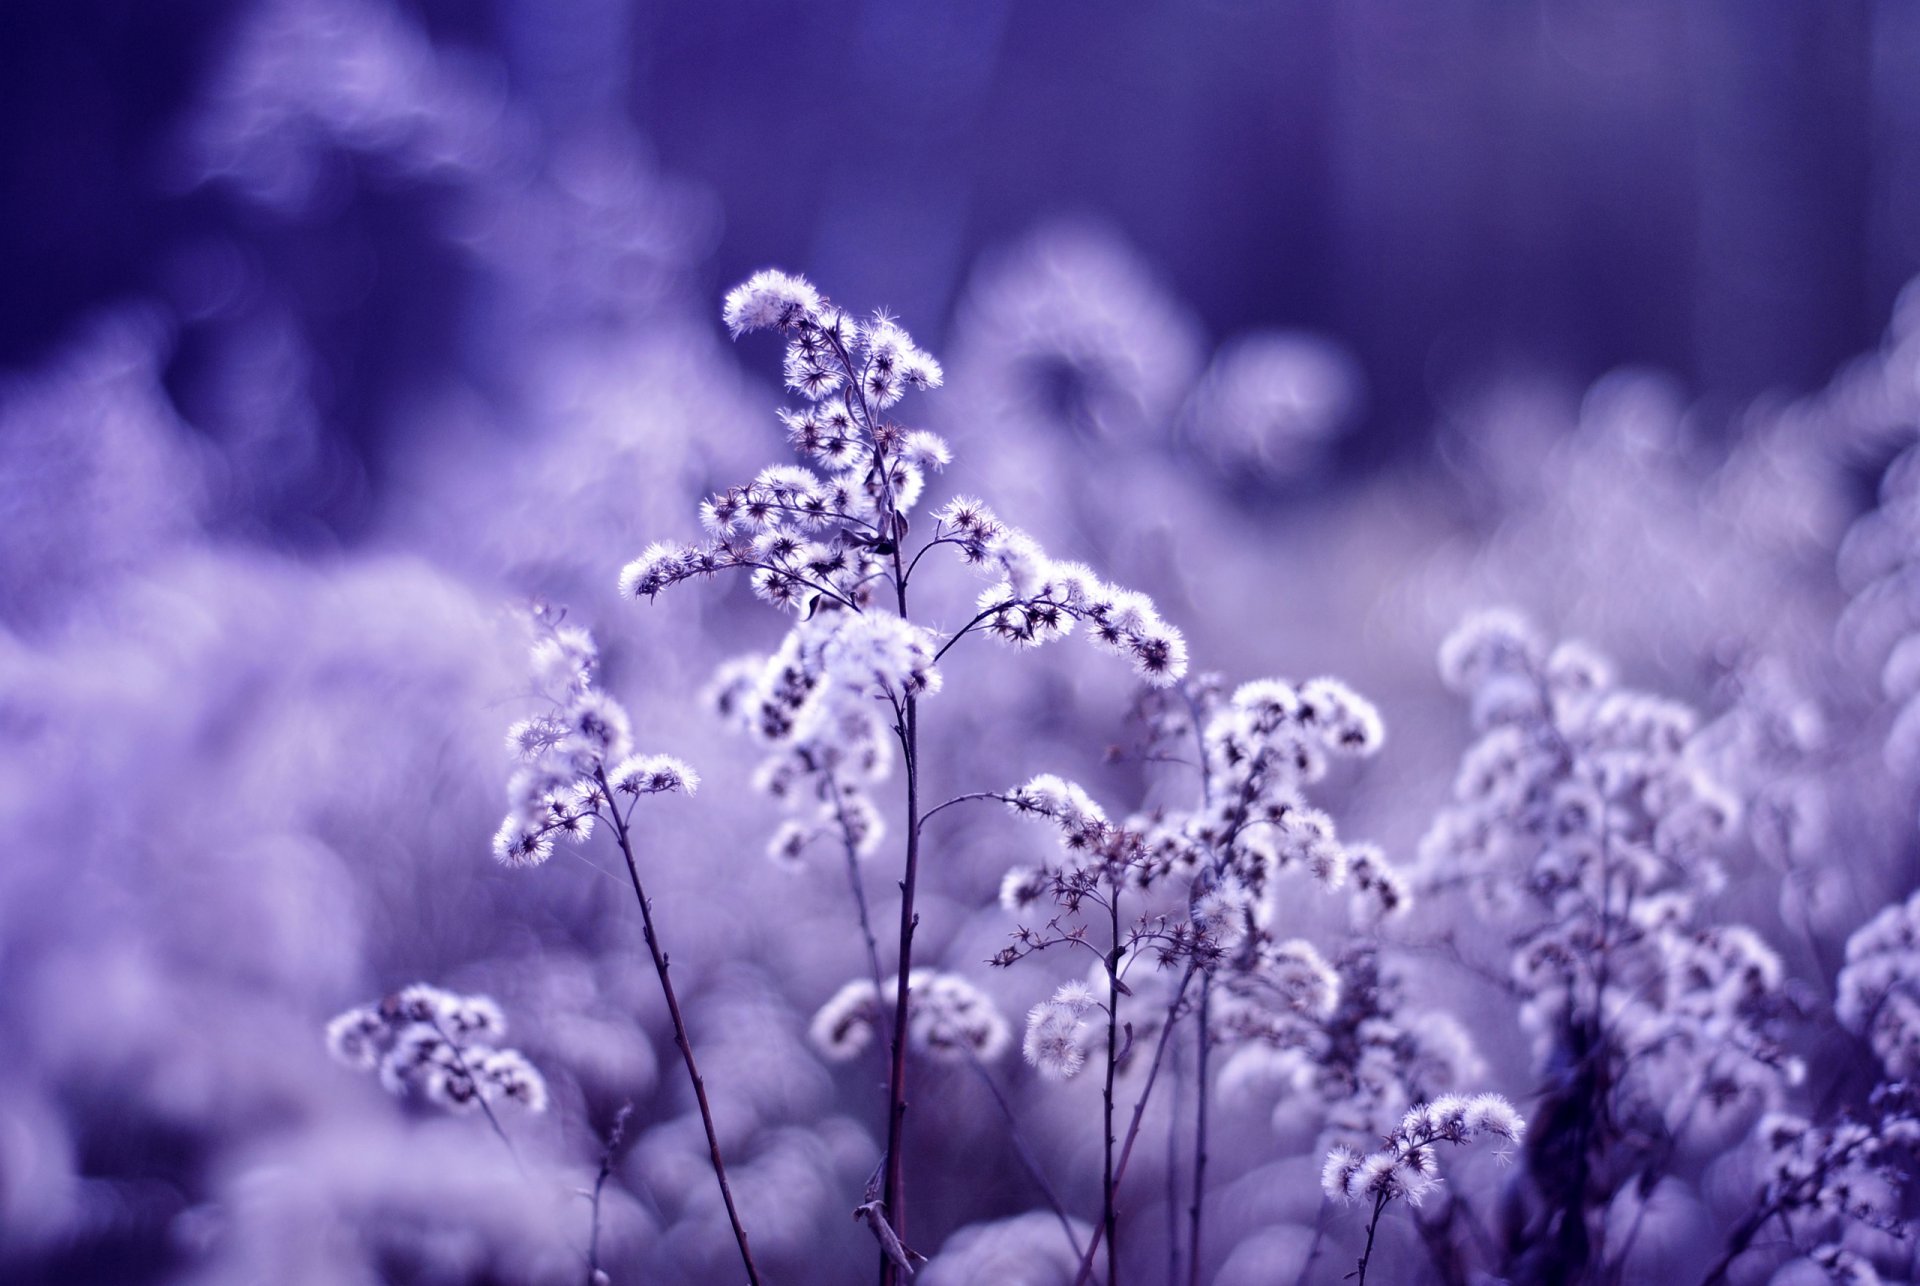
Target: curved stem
936, 542
614, 1137
460, 1065
660, 966
961, 799
967, 629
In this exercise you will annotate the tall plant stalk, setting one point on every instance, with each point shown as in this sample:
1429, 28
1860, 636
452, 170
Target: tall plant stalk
624, 836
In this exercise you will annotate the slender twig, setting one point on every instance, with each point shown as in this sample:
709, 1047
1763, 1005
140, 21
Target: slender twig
894, 1187
1027, 1161
460, 1065
1373, 1226
908, 728
680, 1038
1109, 1216
1173, 1173
859, 887
1085, 1273
614, 1136
1314, 1247
938, 540
961, 799
1199, 1134
968, 628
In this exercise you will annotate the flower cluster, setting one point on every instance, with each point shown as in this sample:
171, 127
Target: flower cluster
577, 758
1058, 1032
1406, 1165
1262, 747
823, 704
948, 1018
1582, 818
439, 1046
1215, 870
815, 537
1036, 599
1580, 814
1362, 1065
1818, 1180
1879, 989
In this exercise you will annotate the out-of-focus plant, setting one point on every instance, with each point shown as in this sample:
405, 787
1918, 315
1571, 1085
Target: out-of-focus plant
579, 770
434, 1043
1581, 822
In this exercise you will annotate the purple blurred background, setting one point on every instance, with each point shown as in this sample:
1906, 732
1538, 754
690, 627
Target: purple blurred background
1726, 192
332, 329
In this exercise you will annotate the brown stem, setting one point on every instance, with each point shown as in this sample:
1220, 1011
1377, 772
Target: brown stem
460, 1065
680, 1038
1737, 1243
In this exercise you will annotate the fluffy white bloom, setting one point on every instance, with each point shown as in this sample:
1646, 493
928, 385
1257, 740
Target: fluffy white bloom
948, 1018
769, 299
435, 1045
558, 791
653, 775
1879, 988
1406, 1165
1055, 1042
875, 652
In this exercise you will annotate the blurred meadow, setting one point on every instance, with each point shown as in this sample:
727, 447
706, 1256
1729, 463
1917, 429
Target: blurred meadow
338, 338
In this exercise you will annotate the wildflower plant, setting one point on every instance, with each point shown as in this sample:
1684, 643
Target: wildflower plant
441, 1048
1193, 892
1581, 821
832, 542
578, 771
1407, 1165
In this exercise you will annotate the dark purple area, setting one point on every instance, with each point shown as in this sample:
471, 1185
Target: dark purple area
1724, 191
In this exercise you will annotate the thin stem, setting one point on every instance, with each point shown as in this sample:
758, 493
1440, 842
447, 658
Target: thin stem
859, 887
460, 1065
967, 629
1027, 1161
962, 799
1109, 1216
792, 575
929, 547
660, 966
1316, 1245
1737, 1244
1199, 1134
1173, 1174
1085, 1273
893, 1190
614, 1136
1373, 1226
